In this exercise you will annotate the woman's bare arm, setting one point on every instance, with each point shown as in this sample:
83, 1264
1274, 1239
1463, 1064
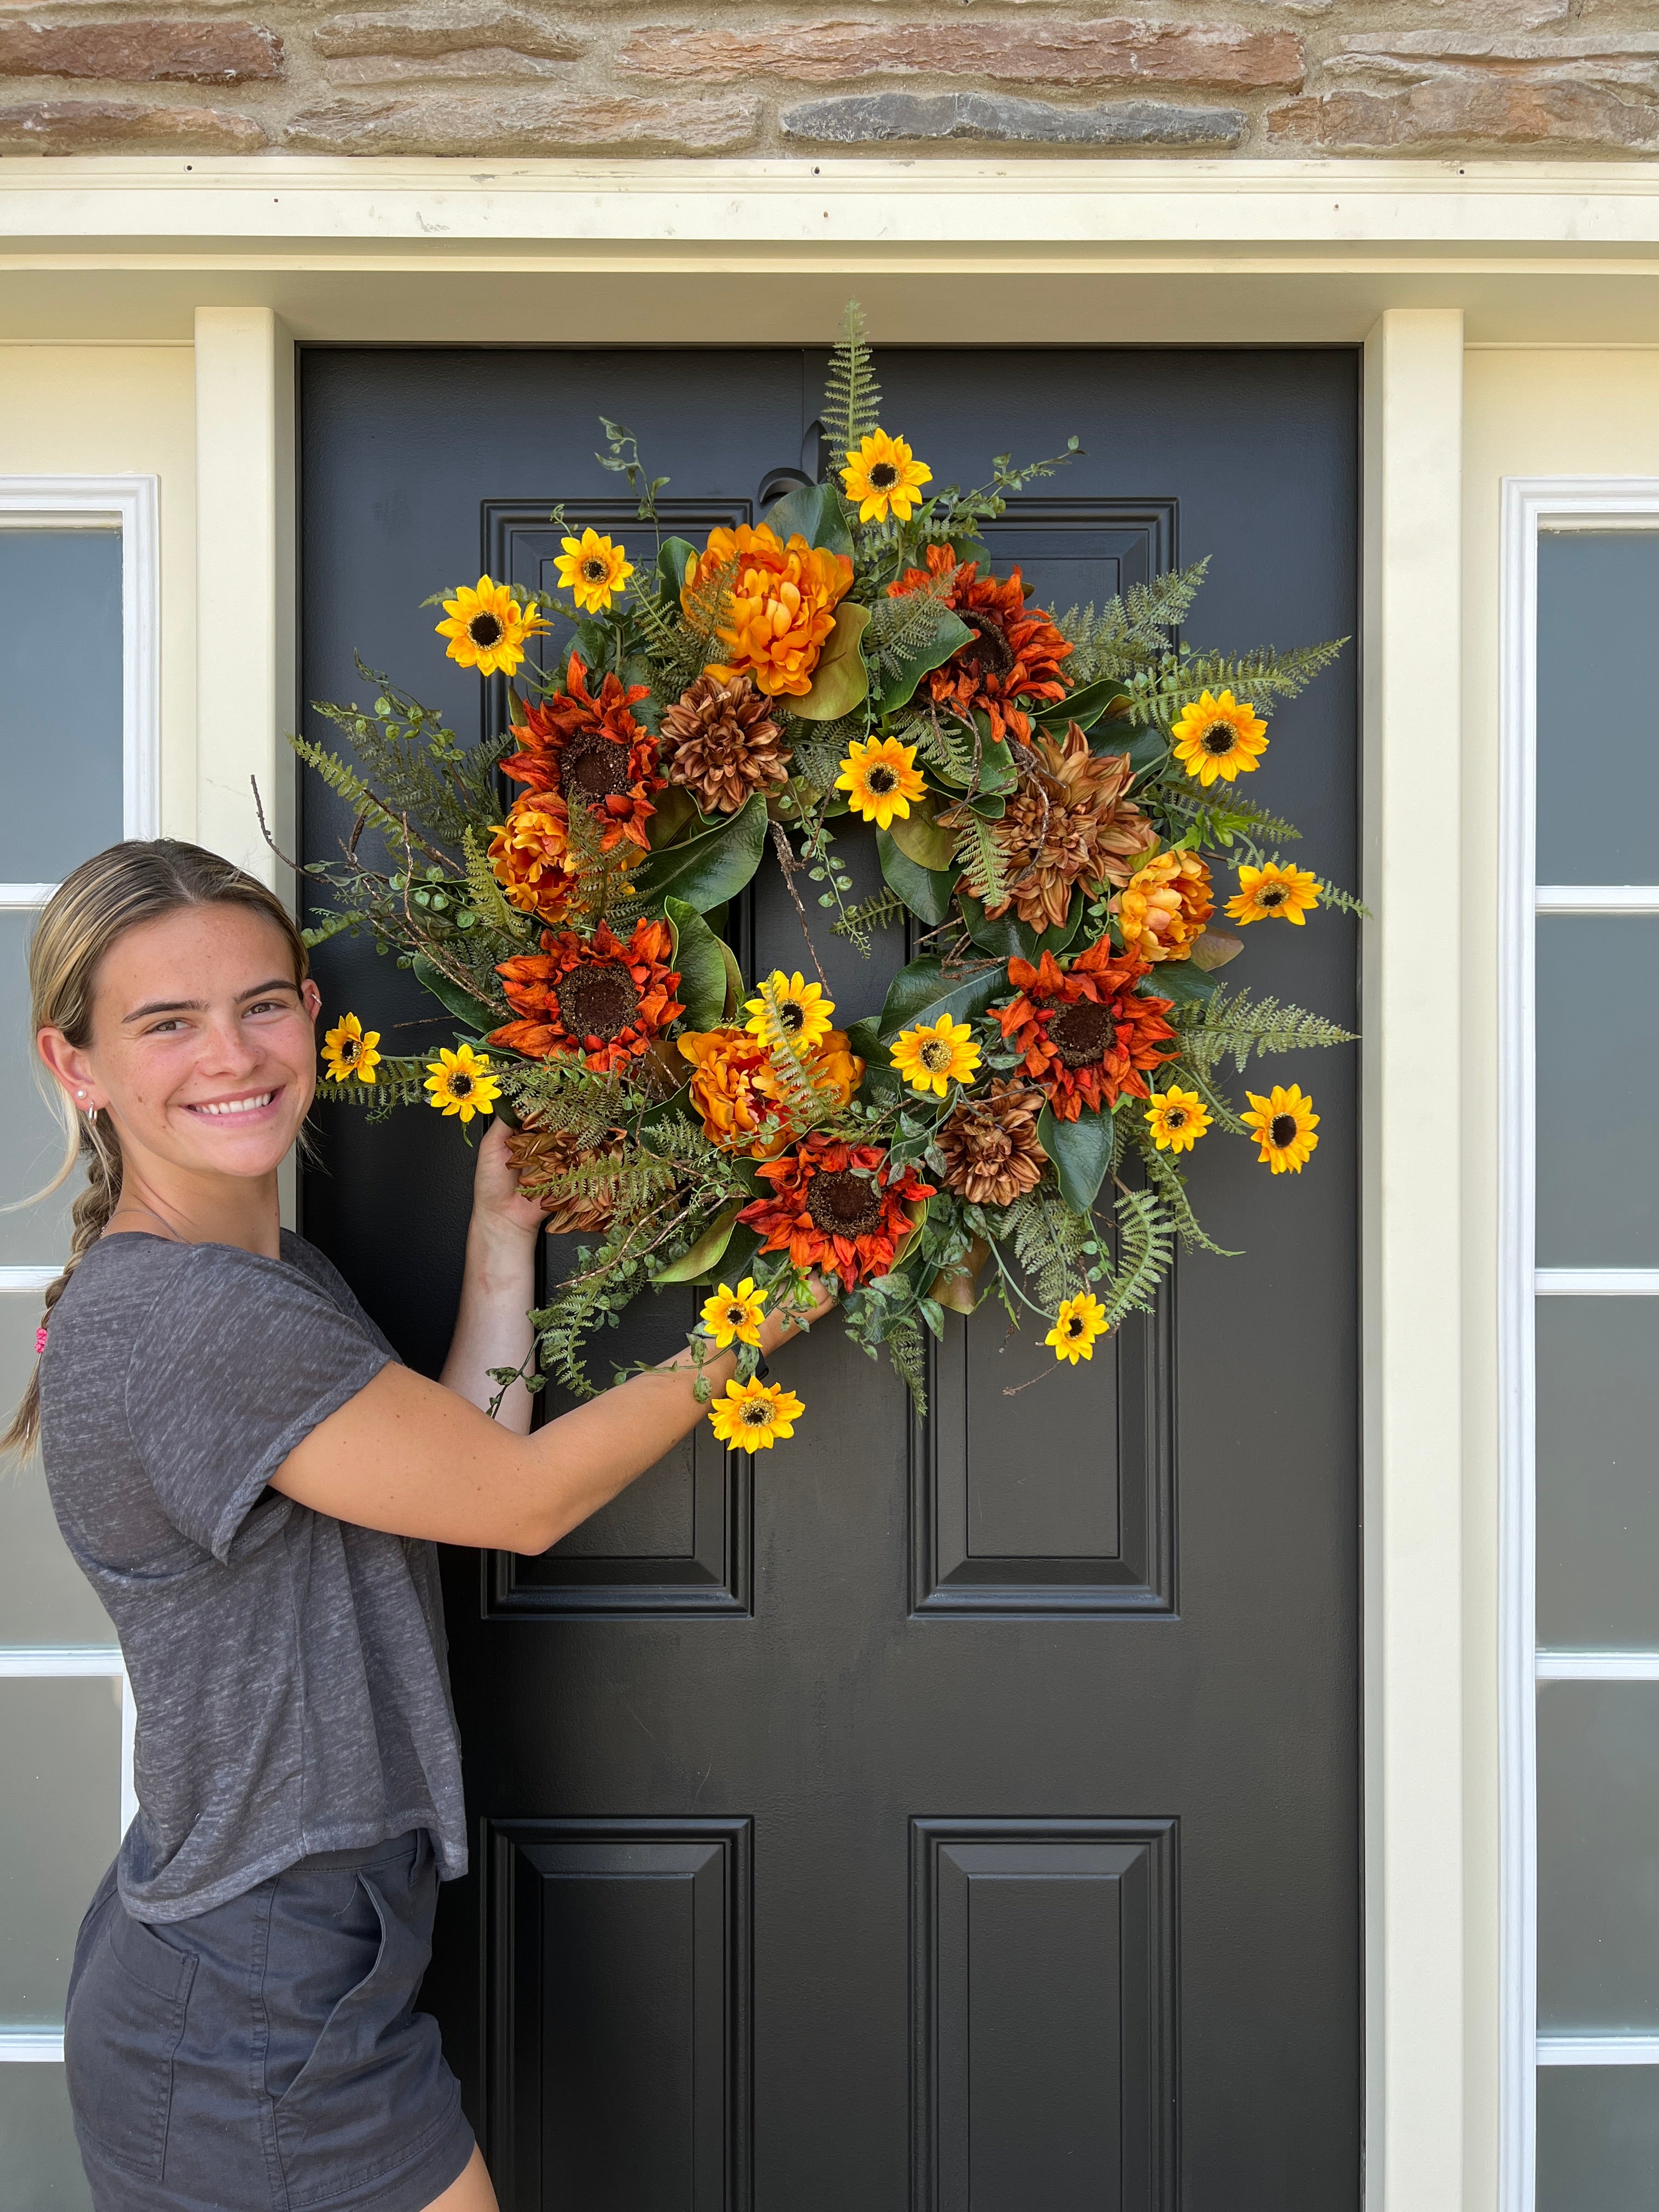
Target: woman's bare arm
492, 1326
414, 1458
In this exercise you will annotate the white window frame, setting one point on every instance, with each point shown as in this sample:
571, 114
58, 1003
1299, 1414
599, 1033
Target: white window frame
1532, 505
130, 504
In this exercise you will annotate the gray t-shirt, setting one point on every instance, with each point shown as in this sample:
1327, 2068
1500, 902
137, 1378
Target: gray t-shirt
289, 1669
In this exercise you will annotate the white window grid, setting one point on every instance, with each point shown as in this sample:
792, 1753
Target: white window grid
1533, 506
129, 505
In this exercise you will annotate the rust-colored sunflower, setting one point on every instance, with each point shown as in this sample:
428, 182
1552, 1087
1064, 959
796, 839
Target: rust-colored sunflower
1012, 660
736, 1087
834, 1205
1088, 1036
604, 998
588, 748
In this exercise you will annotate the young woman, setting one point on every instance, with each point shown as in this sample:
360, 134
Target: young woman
253, 1485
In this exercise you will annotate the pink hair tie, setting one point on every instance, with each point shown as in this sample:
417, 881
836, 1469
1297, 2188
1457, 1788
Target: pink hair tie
40, 1339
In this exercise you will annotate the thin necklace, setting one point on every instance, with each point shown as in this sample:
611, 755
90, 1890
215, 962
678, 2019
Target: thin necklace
138, 1207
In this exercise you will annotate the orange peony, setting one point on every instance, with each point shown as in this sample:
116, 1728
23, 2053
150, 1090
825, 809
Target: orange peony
529, 855
1164, 906
782, 604
604, 998
737, 1090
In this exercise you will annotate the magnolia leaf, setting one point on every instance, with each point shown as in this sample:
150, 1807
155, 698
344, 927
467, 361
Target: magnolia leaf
920, 838
840, 679
863, 1036
926, 990
1081, 1152
950, 634
957, 1288
812, 512
672, 809
1008, 935
735, 986
671, 559
712, 866
916, 1208
454, 997
702, 969
1182, 981
927, 892
1084, 707
1145, 748
1215, 948
706, 1252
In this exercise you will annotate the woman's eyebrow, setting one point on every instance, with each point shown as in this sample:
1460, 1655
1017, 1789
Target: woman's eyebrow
199, 1006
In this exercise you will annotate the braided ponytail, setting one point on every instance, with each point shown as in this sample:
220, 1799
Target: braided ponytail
114, 891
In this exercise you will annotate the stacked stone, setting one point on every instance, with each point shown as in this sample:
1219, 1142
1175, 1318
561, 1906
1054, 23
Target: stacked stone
490, 77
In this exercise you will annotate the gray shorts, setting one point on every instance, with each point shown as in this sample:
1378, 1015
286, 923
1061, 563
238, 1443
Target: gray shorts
265, 2056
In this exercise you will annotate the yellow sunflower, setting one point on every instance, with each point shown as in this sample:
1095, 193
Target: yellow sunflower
883, 477
1078, 1322
1178, 1119
486, 628
936, 1054
1220, 737
1284, 1122
460, 1083
349, 1051
593, 568
799, 1007
881, 778
754, 1415
734, 1316
1291, 894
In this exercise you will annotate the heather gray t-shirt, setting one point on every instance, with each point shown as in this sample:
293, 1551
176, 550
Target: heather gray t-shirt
289, 1669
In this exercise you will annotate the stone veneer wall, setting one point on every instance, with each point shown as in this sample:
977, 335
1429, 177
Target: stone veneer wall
506, 78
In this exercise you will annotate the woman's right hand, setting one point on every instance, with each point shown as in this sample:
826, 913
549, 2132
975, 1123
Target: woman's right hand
787, 1321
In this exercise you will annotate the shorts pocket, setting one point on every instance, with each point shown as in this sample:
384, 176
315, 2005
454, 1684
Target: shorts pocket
126, 2017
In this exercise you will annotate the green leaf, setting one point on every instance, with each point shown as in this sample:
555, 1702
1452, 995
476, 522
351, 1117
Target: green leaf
928, 892
951, 635
453, 997
735, 986
672, 809
1081, 1152
711, 867
1008, 935
919, 837
738, 1258
1145, 747
702, 968
814, 512
1085, 706
862, 1036
672, 558
925, 990
1178, 980
707, 1250
997, 771
840, 679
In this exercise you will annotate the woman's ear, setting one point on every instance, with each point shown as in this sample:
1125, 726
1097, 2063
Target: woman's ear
71, 1069
311, 998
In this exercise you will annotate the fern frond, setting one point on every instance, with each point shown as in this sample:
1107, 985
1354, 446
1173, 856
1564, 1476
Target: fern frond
1237, 1025
898, 629
1132, 629
1344, 901
852, 398
1048, 1240
347, 784
949, 748
978, 855
489, 902
1171, 1187
907, 1348
869, 914
1158, 692
1145, 1249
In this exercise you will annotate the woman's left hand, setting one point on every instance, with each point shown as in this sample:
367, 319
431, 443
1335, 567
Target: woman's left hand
500, 1209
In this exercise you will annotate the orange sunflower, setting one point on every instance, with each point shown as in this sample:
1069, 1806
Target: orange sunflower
587, 746
736, 1088
603, 999
529, 855
781, 608
1088, 1036
834, 1206
1014, 654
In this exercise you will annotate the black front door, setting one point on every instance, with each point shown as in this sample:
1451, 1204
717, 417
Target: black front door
960, 1813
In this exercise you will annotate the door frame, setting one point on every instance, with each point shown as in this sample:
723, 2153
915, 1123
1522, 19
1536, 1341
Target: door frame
1415, 261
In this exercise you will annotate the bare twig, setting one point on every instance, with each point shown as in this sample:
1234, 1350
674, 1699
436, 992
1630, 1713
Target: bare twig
788, 864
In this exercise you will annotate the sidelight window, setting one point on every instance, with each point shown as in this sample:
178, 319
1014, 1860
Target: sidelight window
78, 750
1579, 1254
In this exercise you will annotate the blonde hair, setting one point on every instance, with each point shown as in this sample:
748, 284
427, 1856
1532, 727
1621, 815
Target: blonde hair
114, 891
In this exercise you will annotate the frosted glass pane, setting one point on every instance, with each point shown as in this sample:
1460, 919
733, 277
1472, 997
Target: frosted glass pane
1598, 1075
1598, 1856
1598, 608
1598, 2138
37, 2157
60, 1811
1598, 1473
43, 1596
31, 1138
60, 711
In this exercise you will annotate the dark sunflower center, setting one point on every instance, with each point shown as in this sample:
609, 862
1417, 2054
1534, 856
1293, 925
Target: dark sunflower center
598, 1001
594, 571
757, 1414
1074, 1325
736, 1316
790, 1016
1175, 1118
460, 1085
843, 1204
485, 629
1219, 737
1282, 1130
1274, 897
594, 765
1082, 1034
881, 781
990, 649
935, 1055
883, 477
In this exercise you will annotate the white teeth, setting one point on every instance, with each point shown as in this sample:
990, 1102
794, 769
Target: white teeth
237, 1105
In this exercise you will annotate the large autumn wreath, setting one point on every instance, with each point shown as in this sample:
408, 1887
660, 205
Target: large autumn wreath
1052, 798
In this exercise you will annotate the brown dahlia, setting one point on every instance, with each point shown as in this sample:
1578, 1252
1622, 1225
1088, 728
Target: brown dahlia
1068, 822
1087, 1034
720, 743
588, 747
547, 1161
1012, 659
992, 1155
